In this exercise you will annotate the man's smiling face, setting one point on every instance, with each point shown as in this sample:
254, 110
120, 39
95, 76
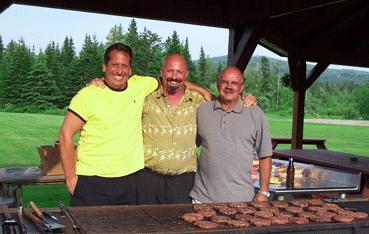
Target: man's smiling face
118, 70
174, 73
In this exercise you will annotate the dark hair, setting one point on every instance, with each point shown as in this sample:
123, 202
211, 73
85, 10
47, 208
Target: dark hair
119, 47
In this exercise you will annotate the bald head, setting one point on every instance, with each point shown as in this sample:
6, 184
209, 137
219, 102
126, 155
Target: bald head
230, 83
175, 58
231, 70
174, 73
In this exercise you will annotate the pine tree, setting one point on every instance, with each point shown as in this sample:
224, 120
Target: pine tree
19, 63
155, 64
132, 40
1, 49
40, 90
193, 74
204, 70
69, 72
265, 77
116, 35
90, 61
175, 45
51, 59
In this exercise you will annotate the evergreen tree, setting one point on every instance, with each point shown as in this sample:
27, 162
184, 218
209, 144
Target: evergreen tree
193, 74
132, 40
69, 72
155, 64
51, 59
90, 61
116, 35
266, 85
39, 91
362, 98
19, 62
166, 45
204, 70
1, 49
175, 45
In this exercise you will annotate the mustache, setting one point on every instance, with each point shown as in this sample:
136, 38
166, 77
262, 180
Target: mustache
228, 90
175, 80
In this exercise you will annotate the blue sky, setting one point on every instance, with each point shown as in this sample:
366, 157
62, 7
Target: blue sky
39, 26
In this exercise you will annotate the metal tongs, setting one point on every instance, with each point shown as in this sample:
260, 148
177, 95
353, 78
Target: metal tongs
344, 204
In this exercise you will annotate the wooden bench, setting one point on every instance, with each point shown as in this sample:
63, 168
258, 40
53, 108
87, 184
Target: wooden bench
280, 140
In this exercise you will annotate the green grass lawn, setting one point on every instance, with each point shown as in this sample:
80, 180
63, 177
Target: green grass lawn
21, 134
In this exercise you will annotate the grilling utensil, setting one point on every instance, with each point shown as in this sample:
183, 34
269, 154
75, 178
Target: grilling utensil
9, 225
21, 222
48, 226
344, 205
63, 209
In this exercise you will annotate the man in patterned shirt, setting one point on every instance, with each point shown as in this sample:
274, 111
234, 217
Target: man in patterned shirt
169, 135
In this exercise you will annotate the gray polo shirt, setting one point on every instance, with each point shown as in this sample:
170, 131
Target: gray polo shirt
228, 139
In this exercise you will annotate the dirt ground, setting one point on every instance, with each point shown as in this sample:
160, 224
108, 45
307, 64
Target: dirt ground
332, 121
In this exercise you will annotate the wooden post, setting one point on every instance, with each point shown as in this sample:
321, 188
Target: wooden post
298, 79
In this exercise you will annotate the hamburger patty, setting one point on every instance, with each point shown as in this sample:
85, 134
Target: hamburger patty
220, 219
279, 204
280, 220
238, 223
237, 204
205, 224
294, 209
246, 210
243, 217
299, 220
259, 222
192, 217
207, 213
344, 218
200, 207
263, 214
360, 215
300, 203
320, 219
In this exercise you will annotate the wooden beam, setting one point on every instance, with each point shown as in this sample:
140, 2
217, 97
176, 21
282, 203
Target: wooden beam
332, 57
298, 78
273, 37
314, 74
243, 41
5, 4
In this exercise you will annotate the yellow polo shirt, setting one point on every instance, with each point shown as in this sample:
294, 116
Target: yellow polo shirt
111, 143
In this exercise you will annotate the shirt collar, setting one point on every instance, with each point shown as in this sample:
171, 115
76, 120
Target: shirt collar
237, 108
187, 95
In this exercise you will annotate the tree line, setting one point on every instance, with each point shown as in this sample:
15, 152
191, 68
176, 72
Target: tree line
47, 80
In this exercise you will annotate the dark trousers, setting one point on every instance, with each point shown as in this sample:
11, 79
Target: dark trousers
154, 188
100, 191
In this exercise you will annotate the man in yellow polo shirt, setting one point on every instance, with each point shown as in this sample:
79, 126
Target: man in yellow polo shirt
110, 148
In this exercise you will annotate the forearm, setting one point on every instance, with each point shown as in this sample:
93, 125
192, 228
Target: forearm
67, 155
205, 93
265, 167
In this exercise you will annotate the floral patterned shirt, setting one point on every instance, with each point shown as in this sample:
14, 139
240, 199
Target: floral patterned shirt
170, 137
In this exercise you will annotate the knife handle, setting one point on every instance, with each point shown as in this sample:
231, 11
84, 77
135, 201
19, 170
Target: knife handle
34, 207
20, 217
32, 217
6, 212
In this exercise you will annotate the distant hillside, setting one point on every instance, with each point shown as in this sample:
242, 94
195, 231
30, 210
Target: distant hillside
330, 75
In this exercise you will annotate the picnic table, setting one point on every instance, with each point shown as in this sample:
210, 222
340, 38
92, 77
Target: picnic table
12, 180
307, 141
332, 159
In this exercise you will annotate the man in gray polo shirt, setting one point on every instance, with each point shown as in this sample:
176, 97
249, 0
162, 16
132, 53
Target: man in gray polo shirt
229, 133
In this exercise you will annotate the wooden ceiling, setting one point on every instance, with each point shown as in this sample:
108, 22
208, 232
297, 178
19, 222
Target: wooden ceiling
322, 31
